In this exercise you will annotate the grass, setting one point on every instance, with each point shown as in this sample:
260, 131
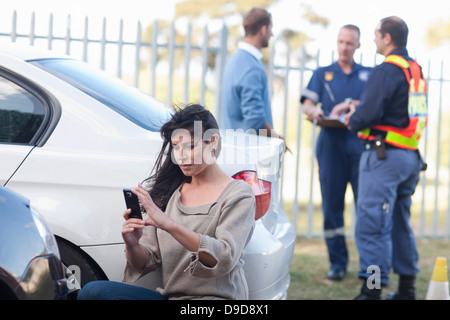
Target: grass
310, 266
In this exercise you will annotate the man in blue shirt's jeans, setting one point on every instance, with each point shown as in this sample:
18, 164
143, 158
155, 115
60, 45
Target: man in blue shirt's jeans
338, 150
245, 96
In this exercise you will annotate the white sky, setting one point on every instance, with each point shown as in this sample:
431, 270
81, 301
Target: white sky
287, 13
365, 14
127, 9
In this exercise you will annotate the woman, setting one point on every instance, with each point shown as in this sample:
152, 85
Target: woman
199, 220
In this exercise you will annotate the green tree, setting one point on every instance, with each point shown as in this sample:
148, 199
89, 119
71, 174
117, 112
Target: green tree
200, 13
217, 8
198, 20
228, 11
438, 32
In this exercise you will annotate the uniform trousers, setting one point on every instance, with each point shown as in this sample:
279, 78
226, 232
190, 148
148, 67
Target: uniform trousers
383, 235
338, 152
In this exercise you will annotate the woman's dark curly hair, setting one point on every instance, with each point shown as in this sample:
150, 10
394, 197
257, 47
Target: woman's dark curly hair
166, 175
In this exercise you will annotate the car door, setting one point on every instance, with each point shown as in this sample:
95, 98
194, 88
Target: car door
24, 116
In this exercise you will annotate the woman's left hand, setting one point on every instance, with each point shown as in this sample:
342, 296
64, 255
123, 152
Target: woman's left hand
157, 218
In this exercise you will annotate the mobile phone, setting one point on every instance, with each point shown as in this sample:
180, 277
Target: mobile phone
132, 202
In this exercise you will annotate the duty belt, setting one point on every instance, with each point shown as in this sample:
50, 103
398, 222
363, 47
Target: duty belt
370, 145
379, 146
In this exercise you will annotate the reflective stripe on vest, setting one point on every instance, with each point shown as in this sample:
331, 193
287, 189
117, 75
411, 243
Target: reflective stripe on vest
407, 138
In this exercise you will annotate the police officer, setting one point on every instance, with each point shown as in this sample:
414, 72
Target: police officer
390, 117
338, 150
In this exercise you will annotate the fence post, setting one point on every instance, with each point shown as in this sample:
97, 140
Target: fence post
204, 65
295, 206
33, 22
171, 63
438, 152
154, 57
85, 39
50, 32
120, 49
423, 175
285, 112
14, 27
187, 62
137, 57
68, 38
103, 45
220, 64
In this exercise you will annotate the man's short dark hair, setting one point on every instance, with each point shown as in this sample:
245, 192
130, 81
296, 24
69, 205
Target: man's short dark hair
255, 19
352, 27
397, 28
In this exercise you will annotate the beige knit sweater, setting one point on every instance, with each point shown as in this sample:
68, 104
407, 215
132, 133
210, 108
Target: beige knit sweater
225, 227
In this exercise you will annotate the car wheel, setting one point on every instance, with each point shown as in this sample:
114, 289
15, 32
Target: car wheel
6, 293
77, 261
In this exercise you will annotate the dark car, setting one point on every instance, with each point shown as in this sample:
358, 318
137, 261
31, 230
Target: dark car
30, 264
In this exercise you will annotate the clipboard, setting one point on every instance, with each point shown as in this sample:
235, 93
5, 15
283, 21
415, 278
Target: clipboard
332, 122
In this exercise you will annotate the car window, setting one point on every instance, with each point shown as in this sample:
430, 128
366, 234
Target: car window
21, 113
123, 98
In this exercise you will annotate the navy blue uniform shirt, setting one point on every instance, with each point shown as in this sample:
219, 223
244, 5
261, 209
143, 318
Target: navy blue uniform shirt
384, 100
330, 85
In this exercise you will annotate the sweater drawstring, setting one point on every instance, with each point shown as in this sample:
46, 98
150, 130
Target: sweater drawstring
194, 259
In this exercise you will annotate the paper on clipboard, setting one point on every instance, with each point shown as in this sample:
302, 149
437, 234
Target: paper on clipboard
333, 122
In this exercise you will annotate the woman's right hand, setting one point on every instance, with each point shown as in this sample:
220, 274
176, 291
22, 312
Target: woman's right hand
132, 229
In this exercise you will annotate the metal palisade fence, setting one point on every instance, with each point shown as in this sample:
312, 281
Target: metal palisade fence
181, 63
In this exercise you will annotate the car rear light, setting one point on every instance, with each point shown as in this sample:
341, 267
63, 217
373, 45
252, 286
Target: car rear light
262, 190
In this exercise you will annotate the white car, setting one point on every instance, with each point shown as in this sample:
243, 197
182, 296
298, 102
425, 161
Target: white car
72, 138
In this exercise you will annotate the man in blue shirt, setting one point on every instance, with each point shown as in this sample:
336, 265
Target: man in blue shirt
338, 150
245, 96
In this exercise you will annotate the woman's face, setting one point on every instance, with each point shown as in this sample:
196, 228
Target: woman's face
190, 152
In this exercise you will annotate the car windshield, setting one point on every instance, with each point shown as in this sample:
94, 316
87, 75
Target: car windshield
133, 104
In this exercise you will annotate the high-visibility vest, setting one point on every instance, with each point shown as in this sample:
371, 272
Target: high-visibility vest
406, 138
